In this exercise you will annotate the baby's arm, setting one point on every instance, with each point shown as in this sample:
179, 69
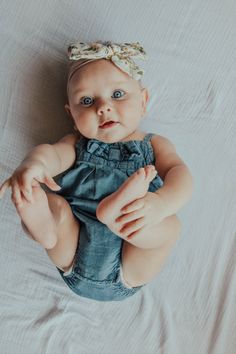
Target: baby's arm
40, 165
55, 158
178, 183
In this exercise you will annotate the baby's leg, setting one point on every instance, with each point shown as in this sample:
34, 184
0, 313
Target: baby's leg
133, 188
144, 254
50, 222
141, 265
67, 232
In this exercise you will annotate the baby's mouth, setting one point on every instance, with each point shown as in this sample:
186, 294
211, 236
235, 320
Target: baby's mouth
108, 124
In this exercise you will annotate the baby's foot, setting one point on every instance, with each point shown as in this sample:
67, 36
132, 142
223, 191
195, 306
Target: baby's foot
37, 219
135, 187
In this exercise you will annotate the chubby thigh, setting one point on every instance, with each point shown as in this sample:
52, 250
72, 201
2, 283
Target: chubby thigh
141, 264
67, 226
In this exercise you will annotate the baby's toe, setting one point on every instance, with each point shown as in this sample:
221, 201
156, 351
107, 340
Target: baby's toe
141, 173
150, 172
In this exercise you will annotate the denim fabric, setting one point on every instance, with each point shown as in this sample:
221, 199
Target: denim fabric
99, 170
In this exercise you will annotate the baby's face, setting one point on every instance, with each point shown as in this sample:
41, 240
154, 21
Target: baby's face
106, 104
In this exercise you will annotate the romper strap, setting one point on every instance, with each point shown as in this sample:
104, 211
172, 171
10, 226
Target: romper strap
148, 137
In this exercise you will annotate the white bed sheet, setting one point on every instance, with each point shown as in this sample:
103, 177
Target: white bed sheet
191, 74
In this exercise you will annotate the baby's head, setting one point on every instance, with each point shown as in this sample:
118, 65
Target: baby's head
105, 97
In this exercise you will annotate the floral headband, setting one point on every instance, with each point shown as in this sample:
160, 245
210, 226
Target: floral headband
120, 54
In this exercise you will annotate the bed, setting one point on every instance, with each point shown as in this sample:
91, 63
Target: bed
189, 308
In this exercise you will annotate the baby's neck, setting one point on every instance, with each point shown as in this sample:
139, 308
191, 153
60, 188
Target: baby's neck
137, 135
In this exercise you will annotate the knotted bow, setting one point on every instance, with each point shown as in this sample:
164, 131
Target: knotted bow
120, 54
120, 151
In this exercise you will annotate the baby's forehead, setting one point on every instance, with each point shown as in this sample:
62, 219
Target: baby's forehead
102, 71
98, 67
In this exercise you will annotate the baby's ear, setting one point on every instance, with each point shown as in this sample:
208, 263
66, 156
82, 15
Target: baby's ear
145, 99
67, 108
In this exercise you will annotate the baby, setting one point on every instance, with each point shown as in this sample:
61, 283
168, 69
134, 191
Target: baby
109, 222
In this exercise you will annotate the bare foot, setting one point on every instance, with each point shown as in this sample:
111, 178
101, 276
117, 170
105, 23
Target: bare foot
135, 187
37, 219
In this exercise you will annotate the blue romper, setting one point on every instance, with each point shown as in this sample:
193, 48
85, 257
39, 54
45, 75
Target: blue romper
99, 170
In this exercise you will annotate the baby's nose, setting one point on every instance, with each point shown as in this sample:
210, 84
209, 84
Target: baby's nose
103, 108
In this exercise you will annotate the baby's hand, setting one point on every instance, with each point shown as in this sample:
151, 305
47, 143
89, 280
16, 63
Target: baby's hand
144, 212
28, 174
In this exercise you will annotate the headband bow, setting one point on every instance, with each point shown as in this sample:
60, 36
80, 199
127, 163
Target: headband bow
120, 54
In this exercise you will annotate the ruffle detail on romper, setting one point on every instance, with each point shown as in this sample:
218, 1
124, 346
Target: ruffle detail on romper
121, 151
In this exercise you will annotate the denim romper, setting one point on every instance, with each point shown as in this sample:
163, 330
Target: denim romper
99, 170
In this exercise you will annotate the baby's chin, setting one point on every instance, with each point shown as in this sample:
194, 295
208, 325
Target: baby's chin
109, 140
113, 135
108, 137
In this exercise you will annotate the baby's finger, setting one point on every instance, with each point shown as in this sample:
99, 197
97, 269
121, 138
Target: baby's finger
132, 227
4, 187
135, 233
16, 195
27, 193
123, 219
135, 205
26, 183
26, 188
49, 181
35, 183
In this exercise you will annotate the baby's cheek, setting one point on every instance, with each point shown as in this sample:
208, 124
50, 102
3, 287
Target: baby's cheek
133, 108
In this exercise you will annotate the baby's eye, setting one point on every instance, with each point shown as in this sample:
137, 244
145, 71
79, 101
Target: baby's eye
118, 94
86, 101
